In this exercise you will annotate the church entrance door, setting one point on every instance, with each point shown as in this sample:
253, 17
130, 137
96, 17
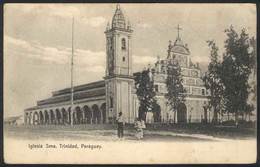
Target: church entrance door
182, 113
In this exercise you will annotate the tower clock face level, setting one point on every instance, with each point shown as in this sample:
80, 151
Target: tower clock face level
119, 52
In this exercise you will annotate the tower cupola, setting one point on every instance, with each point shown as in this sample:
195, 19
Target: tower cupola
118, 20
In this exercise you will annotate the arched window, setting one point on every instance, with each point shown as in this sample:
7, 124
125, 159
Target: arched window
156, 87
123, 44
111, 102
203, 91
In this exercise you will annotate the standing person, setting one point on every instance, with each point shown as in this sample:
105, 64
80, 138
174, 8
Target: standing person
139, 130
143, 127
120, 125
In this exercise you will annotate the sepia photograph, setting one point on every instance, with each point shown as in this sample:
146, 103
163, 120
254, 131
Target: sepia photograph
130, 83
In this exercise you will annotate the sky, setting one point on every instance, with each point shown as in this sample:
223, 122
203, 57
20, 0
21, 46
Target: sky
37, 41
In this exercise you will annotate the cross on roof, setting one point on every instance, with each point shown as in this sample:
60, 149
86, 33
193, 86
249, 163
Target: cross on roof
178, 29
118, 6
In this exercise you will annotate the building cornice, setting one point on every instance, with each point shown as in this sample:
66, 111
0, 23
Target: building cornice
119, 76
118, 29
67, 103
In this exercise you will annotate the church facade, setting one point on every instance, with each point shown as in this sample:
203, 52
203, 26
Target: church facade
101, 101
193, 109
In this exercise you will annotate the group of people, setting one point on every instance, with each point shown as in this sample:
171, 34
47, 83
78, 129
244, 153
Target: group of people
139, 125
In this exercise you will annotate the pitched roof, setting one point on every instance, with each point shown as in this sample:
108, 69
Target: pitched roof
11, 119
85, 91
78, 88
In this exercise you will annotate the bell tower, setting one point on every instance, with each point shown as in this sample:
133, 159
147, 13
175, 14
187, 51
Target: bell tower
119, 77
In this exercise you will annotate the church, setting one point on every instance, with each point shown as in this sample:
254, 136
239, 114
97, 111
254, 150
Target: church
100, 102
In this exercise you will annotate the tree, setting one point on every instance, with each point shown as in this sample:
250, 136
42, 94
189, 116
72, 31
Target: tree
145, 93
175, 91
252, 77
213, 82
252, 51
236, 66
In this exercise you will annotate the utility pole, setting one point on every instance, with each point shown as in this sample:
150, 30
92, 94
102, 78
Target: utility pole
72, 63
178, 30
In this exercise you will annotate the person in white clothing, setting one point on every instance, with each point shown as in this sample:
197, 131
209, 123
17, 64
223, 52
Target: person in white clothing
139, 126
120, 125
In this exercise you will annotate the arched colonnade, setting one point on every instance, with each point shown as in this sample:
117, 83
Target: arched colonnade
86, 114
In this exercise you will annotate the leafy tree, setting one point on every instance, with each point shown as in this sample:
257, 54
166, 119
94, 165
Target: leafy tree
213, 82
175, 91
145, 93
252, 51
253, 89
254, 67
237, 64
